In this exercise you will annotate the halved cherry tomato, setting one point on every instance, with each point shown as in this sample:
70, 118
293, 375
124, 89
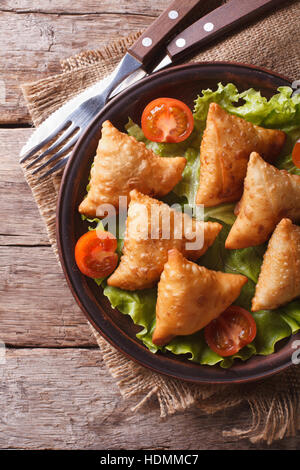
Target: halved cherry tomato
231, 331
95, 253
296, 154
167, 120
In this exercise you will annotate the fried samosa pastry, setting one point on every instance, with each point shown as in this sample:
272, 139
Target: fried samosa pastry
269, 195
122, 164
225, 150
190, 297
279, 279
153, 228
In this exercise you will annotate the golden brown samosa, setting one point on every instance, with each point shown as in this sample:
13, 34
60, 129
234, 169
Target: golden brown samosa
279, 279
153, 228
225, 150
269, 195
122, 164
190, 297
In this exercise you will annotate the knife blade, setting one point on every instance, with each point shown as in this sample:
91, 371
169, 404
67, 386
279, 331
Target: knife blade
127, 65
135, 63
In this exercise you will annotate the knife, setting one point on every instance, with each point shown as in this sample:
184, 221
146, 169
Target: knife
136, 62
140, 56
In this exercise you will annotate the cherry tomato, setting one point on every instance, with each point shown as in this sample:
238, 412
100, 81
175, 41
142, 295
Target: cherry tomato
95, 253
231, 331
296, 154
167, 120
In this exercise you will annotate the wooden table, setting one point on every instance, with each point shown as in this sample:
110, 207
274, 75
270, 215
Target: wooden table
55, 391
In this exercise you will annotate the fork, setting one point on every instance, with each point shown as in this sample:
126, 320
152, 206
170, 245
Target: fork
136, 64
76, 121
82, 109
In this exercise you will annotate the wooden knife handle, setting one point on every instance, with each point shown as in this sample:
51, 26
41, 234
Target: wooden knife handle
229, 16
163, 28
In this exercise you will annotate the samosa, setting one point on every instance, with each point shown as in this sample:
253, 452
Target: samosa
226, 146
190, 297
122, 164
152, 229
269, 195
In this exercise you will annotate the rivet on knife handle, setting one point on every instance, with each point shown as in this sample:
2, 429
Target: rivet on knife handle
218, 22
163, 28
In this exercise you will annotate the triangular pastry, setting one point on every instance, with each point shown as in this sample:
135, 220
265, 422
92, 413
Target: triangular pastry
279, 279
153, 228
269, 195
226, 146
190, 297
122, 164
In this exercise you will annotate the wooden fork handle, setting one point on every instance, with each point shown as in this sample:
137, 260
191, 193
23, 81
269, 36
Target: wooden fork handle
164, 28
225, 18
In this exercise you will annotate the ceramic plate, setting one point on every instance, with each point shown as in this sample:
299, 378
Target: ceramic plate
185, 83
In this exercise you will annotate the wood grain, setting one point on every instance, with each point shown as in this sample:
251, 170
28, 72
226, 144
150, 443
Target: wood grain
30, 277
21, 223
37, 308
67, 400
34, 39
64, 398
55, 391
86, 7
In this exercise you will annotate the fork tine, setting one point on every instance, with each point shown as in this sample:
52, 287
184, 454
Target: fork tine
56, 167
58, 154
37, 147
55, 144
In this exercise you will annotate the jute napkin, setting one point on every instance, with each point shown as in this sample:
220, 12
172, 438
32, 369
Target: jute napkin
274, 43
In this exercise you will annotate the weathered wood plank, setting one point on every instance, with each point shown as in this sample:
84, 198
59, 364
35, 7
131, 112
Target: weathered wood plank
66, 400
20, 220
34, 43
30, 277
142, 7
30, 269
36, 35
37, 308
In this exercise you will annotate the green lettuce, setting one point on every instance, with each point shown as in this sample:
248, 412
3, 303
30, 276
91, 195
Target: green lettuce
282, 111
272, 326
186, 190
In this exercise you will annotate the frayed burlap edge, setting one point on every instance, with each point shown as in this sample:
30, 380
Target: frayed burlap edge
274, 402
108, 53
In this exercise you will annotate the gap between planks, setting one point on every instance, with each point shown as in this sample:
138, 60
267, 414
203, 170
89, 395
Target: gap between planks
30, 276
66, 399
43, 38
78, 13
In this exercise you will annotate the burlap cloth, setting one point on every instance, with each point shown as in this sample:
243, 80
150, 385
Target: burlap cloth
273, 43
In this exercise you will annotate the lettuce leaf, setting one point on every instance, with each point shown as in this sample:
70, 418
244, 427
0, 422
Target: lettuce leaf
186, 189
272, 326
282, 111
140, 306
223, 213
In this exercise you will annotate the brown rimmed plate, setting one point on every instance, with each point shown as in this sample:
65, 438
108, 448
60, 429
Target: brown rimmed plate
184, 82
